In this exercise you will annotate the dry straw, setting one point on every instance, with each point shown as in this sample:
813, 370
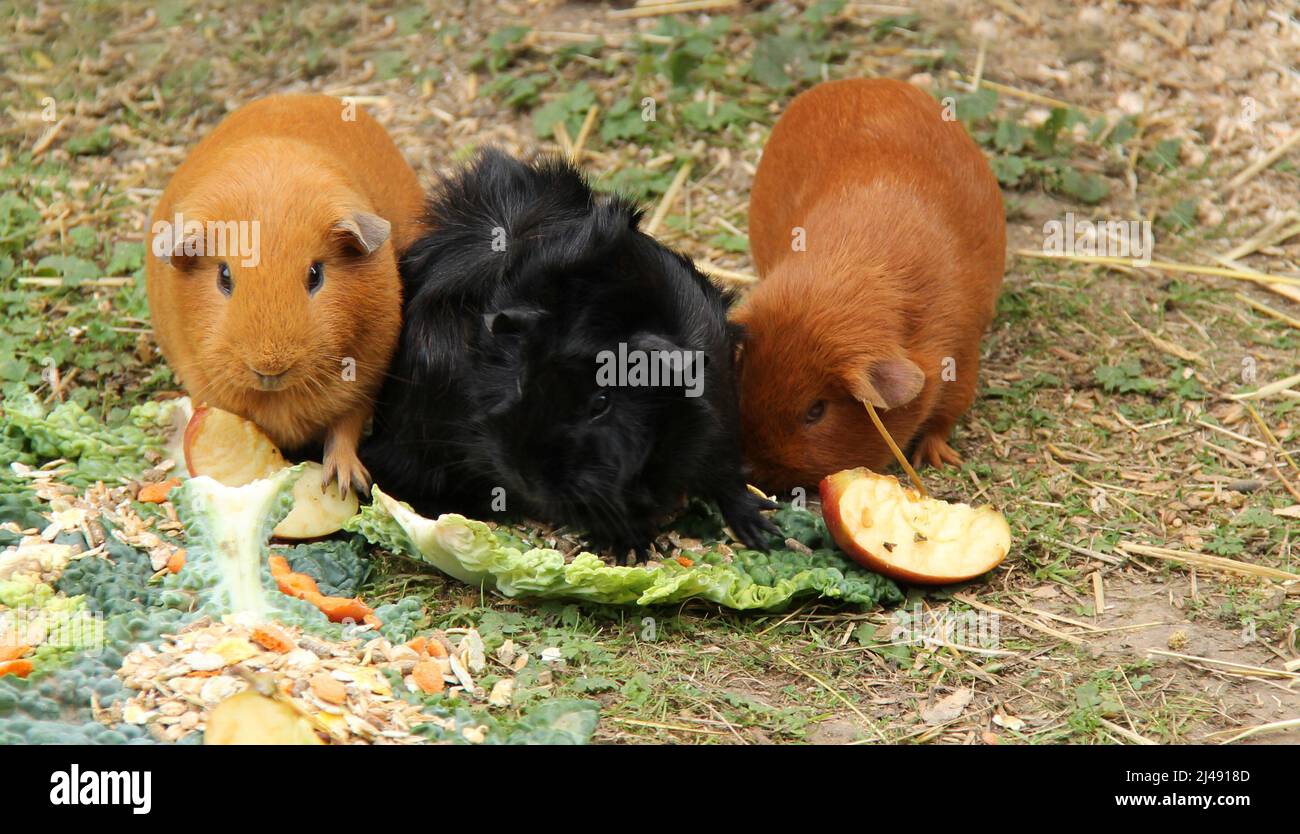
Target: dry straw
656, 9
1166, 266
898, 453
1206, 561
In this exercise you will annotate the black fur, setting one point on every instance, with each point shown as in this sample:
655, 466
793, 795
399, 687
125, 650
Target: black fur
494, 384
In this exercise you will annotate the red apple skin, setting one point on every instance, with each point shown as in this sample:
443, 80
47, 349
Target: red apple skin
831, 489
191, 432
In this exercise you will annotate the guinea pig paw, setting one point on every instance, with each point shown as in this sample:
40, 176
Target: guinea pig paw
639, 553
934, 450
747, 523
348, 471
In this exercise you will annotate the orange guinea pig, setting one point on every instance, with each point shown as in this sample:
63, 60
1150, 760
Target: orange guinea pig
878, 232
273, 281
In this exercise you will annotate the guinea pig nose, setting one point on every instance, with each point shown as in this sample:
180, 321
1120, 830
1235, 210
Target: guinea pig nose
268, 382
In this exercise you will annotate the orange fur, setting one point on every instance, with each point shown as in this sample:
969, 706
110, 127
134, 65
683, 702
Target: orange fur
905, 246
295, 166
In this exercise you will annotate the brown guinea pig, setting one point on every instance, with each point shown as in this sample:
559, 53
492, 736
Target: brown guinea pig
273, 282
877, 229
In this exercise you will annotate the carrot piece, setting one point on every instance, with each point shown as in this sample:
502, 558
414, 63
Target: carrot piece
157, 493
8, 651
303, 587
21, 668
272, 639
685, 562
437, 649
298, 585
372, 620
342, 608
428, 676
419, 644
176, 561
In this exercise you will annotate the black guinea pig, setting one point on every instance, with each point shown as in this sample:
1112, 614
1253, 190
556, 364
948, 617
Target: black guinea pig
556, 362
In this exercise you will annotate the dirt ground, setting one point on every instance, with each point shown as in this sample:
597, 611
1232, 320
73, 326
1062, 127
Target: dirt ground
1107, 415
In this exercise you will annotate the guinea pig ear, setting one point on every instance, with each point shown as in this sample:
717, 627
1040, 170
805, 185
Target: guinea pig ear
179, 253
671, 356
363, 231
887, 383
513, 321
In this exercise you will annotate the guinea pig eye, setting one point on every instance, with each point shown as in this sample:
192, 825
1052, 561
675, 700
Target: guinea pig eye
599, 405
815, 412
225, 284
315, 277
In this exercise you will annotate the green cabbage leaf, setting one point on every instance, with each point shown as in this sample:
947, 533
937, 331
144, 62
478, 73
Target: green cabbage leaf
476, 554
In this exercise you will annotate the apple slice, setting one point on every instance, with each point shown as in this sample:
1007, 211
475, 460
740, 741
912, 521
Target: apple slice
229, 449
174, 446
316, 512
893, 530
235, 452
